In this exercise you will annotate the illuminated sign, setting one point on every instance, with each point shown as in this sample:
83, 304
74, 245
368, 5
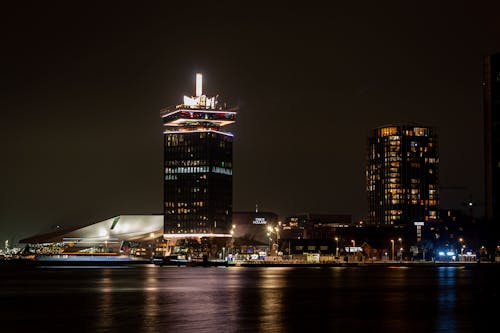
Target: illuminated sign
352, 249
418, 223
259, 220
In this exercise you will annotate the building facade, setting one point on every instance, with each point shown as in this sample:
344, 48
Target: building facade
198, 161
402, 175
491, 105
255, 226
314, 225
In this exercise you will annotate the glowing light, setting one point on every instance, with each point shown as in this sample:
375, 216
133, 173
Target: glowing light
199, 131
196, 111
199, 84
189, 101
167, 236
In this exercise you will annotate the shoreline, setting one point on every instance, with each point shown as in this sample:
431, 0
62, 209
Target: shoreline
138, 263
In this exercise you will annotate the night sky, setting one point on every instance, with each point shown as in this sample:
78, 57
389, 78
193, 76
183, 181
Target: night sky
82, 87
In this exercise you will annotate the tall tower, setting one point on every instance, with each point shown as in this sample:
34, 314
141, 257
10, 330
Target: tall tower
198, 161
402, 175
491, 105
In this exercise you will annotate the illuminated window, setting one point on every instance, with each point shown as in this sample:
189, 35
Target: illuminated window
419, 131
387, 131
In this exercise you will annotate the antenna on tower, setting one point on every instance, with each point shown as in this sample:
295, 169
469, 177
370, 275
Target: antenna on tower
199, 84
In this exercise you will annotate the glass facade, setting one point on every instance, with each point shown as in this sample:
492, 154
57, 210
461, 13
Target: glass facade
491, 104
402, 175
198, 182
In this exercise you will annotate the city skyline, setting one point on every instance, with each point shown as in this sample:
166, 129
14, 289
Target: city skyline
82, 139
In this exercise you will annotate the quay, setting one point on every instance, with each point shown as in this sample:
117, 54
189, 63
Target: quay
112, 261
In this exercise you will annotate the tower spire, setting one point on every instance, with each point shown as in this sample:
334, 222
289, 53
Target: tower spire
199, 84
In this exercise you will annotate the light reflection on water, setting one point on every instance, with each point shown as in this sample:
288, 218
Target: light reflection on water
271, 285
238, 299
446, 300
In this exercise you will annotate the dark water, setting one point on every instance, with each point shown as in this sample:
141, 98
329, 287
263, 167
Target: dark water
198, 299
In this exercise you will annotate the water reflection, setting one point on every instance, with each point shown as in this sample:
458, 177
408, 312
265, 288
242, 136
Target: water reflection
446, 299
164, 299
104, 307
271, 284
151, 303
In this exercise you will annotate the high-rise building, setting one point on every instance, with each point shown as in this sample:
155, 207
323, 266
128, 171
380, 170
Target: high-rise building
491, 105
402, 175
198, 161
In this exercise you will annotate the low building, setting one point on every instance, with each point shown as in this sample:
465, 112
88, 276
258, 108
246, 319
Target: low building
130, 234
254, 226
313, 225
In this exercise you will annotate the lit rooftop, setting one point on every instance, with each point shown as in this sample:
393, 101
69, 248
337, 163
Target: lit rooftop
198, 112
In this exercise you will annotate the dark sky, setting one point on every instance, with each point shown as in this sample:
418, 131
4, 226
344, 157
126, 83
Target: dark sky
82, 86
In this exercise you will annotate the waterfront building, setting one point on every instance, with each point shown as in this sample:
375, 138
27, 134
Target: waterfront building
122, 234
198, 164
255, 226
491, 106
314, 225
402, 175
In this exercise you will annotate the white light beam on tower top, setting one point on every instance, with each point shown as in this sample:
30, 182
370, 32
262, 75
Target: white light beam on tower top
199, 83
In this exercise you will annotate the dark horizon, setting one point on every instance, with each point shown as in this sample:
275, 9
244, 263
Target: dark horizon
83, 85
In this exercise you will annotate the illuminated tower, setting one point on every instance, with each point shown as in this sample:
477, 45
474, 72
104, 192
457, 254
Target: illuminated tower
491, 105
198, 161
402, 175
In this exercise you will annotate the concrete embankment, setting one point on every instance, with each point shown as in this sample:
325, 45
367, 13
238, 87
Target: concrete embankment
262, 263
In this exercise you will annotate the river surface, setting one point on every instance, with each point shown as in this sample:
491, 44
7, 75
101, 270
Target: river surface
249, 299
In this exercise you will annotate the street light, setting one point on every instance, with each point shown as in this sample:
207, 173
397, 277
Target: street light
277, 229
462, 247
270, 231
392, 243
270, 239
336, 246
401, 248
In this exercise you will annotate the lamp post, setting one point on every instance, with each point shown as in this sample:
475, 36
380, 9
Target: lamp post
232, 239
269, 234
392, 243
336, 246
269, 230
277, 230
400, 248
461, 240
